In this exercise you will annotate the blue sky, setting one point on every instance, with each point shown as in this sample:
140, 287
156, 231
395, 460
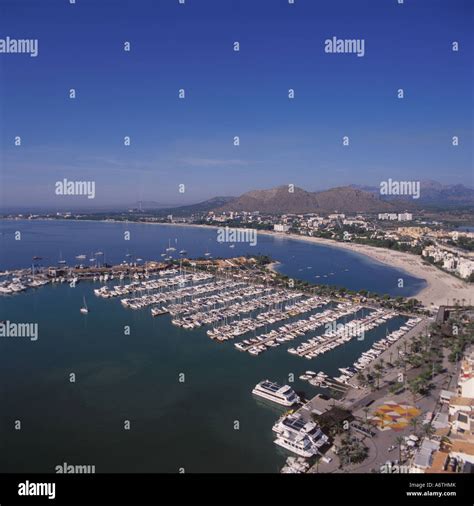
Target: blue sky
232, 93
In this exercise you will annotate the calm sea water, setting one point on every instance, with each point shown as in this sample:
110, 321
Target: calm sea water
135, 377
53, 240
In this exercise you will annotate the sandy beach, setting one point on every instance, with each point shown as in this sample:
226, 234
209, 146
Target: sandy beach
441, 287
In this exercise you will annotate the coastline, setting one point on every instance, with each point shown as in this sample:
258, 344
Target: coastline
273, 266
441, 288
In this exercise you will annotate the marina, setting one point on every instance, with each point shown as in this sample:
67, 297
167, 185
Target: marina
123, 368
21, 282
288, 332
344, 333
363, 361
235, 308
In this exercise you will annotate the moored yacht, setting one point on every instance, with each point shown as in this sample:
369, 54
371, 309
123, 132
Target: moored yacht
283, 395
295, 424
301, 444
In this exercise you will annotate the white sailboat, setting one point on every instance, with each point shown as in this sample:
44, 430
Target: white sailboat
84, 309
170, 248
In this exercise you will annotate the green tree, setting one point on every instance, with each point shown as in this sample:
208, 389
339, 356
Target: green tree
428, 430
399, 440
414, 423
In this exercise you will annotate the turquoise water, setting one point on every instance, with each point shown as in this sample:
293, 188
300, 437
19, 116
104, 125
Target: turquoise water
135, 377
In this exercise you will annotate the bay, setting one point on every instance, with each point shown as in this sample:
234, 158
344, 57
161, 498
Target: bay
208, 423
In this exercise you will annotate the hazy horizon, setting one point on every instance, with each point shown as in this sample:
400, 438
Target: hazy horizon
78, 204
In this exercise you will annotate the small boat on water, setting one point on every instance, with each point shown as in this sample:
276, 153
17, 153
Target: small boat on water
84, 309
170, 248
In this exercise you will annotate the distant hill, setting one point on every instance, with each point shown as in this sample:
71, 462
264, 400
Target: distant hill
146, 204
200, 207
351, 200
280, 200
344, 199
275, 200
432, 193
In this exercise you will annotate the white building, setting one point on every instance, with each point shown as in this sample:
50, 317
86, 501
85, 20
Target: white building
452, 262
280, 227
388, 216
354, 221
449, 263
466, 376
424, 456
465, 267
405, 217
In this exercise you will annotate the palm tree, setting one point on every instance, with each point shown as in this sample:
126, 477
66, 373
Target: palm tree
414, 422
378, 366
377, 375
414, 387
361, 378
399, 440
366, 411
428, 430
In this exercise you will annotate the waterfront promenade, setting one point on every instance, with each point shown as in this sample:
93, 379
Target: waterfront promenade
362, 403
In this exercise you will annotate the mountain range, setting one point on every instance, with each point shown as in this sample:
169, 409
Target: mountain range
344, 199
281, 200
432, 193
